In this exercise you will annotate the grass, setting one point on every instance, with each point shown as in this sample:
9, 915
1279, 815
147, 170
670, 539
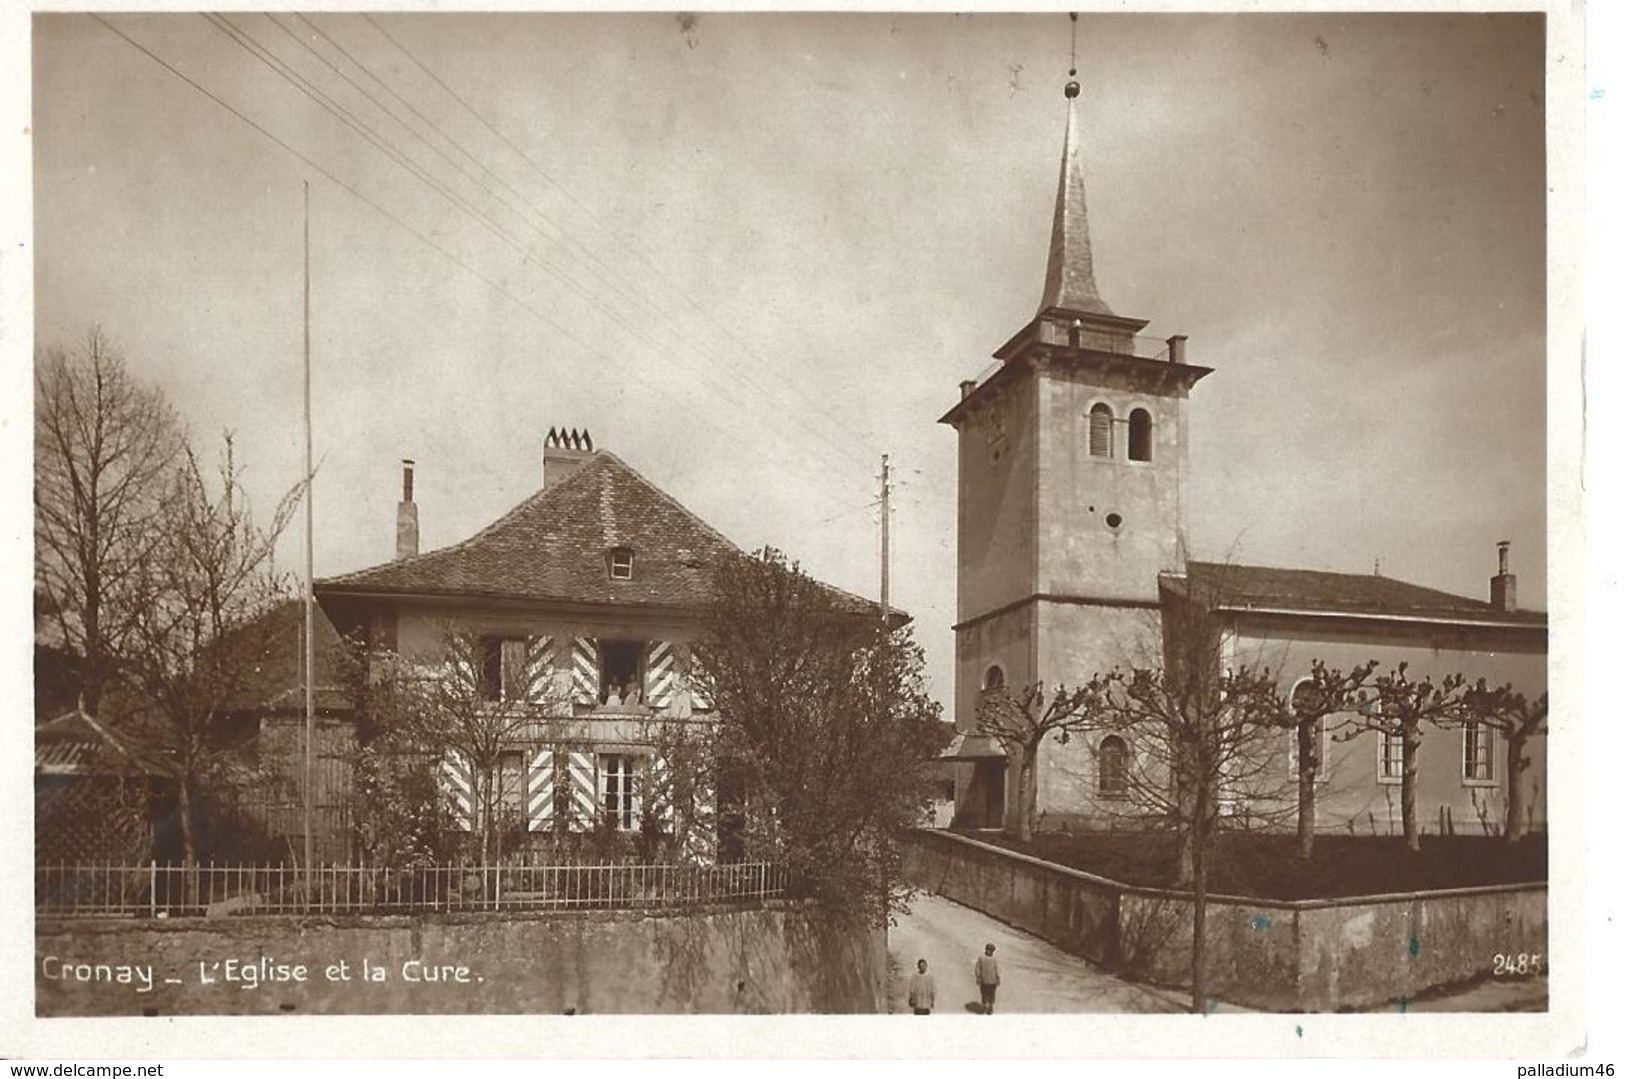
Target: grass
1265, 865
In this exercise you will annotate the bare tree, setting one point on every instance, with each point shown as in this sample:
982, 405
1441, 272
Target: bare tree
104, 448
209, 584
1396, 705
1519, 720
1327, 692
1020, 723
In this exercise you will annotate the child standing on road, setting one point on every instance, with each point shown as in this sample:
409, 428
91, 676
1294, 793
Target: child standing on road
987, 978
922, 992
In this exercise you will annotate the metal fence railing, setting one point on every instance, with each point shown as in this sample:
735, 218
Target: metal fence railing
210, 889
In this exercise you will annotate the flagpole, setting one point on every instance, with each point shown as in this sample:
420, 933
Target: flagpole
310, 586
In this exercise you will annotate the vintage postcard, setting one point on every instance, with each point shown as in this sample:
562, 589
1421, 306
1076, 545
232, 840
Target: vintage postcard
853, 533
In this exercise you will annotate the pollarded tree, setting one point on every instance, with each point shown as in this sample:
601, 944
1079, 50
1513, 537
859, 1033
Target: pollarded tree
1021, 722
1204, 744
105, 446
825, 737
1396, 706
1519, 720
1327, 691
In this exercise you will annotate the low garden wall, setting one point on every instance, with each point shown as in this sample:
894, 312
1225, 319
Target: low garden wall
774, 958
1312, 955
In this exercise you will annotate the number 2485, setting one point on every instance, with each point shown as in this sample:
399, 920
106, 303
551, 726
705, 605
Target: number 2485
1522, 963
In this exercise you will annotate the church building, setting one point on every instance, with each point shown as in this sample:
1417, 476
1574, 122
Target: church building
1073, 463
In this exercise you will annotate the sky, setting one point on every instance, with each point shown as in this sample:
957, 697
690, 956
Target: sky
752, 253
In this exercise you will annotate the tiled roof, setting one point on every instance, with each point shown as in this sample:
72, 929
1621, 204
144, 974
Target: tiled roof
76, 744
275, 677
1350, 593
554, 545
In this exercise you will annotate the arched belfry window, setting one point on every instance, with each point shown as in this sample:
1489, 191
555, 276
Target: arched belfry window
994, 678
1113, 766
1100, 431
1139, 435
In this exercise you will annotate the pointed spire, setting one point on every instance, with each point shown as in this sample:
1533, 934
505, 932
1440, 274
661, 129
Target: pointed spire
1070, 279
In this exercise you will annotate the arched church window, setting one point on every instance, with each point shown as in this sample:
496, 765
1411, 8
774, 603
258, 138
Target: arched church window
1139, 435
1113, 766
994, 678
1100, 431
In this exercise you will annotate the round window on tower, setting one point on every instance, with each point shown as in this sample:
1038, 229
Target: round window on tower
1114, 521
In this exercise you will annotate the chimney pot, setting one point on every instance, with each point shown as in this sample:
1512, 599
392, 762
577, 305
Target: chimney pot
966, 388
565, 450
1176, 348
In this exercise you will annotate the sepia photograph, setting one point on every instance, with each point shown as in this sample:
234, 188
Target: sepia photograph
804, 514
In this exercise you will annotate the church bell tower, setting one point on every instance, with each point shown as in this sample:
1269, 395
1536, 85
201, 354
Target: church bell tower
1071, 501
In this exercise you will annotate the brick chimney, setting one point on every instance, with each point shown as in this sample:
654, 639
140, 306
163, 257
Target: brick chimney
563, 453
406, 517
1504, 585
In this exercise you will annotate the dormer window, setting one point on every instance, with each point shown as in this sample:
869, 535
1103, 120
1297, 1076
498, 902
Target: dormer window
620, 563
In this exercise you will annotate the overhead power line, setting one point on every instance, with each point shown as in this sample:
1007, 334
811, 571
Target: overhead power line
384, 212
284, 71
631, 246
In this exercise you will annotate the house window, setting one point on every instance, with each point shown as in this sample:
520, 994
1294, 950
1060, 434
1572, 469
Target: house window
1391, 757
993, 679
1139, 435
509, 796
620, 674
1477, 763
618, 790
1113, 765
620, 563
1100, 431
502, 662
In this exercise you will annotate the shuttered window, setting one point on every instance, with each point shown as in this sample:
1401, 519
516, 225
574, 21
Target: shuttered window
1100, 431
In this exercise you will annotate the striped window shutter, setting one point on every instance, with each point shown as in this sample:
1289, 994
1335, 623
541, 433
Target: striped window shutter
581, 771
660, 795
539, 669
662, 676
697, 698
584, 677
463, 676
457, 787
539, 791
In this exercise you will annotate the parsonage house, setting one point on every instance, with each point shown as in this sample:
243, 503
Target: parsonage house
587, 599
1072, 547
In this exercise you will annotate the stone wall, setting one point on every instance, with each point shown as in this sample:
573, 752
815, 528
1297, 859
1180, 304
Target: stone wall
780, 958
1320, 955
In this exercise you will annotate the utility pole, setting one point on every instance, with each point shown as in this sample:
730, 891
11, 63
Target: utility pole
885, 539
310, 588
